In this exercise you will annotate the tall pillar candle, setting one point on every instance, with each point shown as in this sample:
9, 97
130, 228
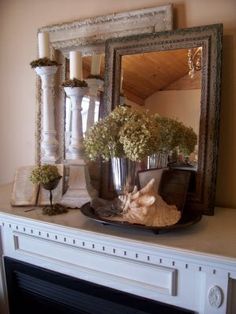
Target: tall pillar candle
43, 45
96, 64
76, 69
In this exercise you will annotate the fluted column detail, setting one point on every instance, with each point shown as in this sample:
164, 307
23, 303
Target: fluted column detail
95, 85
49, 142
76, 95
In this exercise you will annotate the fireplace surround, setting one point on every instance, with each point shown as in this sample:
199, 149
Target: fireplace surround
37, 290
192, 269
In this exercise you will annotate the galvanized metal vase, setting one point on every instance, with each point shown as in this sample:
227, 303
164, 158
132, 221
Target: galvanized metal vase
124, 174
158, 160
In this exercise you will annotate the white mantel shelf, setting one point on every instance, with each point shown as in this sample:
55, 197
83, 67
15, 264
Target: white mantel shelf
214, 236
203, 255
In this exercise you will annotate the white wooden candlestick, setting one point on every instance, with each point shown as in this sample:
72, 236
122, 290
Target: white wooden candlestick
76, 95
79, 189
95, 85
49, 142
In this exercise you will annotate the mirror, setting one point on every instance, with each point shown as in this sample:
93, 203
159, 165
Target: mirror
149, 70
164, 82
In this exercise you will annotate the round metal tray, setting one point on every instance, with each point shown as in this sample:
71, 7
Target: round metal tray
187, 219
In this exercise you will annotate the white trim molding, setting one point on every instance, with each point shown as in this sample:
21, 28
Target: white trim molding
198, 282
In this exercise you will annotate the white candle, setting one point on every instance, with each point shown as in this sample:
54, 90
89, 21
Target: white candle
96, 64
76, 70
43, 45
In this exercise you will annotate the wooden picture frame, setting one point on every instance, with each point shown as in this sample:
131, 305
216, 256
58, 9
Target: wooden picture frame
144, 176
209, 37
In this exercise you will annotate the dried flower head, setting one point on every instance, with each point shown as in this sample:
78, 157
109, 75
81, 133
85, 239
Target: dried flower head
42, 62
95, 76
44, 174
74, 83
123, 133
174, 134
126, 132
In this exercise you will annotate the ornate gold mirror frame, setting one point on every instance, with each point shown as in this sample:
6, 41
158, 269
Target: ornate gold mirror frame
89, 36
210, 39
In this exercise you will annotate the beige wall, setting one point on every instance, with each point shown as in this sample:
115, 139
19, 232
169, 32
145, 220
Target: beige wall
183, 105
19, 21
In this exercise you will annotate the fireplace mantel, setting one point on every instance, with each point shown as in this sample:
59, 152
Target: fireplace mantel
194, 268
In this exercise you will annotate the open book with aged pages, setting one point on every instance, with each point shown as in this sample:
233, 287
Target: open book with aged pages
25, 193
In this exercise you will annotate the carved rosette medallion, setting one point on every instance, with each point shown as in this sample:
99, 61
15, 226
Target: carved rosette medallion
215, 296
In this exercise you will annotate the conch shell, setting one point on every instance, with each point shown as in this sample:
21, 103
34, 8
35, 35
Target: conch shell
146, 207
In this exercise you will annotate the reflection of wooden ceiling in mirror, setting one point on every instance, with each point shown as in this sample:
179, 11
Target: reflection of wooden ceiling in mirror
147, 73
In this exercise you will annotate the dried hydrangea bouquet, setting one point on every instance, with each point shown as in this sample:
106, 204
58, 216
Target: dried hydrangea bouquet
127, 136
123, 133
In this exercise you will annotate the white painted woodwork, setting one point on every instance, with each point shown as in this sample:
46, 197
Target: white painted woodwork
91, 112
49, 142
162, 282
76, 95
79, 191
94, 85
89, 35
193, 268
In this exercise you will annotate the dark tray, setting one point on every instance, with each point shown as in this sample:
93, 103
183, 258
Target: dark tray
187, 219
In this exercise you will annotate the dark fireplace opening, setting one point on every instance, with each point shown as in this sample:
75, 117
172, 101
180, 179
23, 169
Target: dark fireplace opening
34, 290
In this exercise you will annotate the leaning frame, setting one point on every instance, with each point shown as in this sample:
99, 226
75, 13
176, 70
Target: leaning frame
210, 38
89, 36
